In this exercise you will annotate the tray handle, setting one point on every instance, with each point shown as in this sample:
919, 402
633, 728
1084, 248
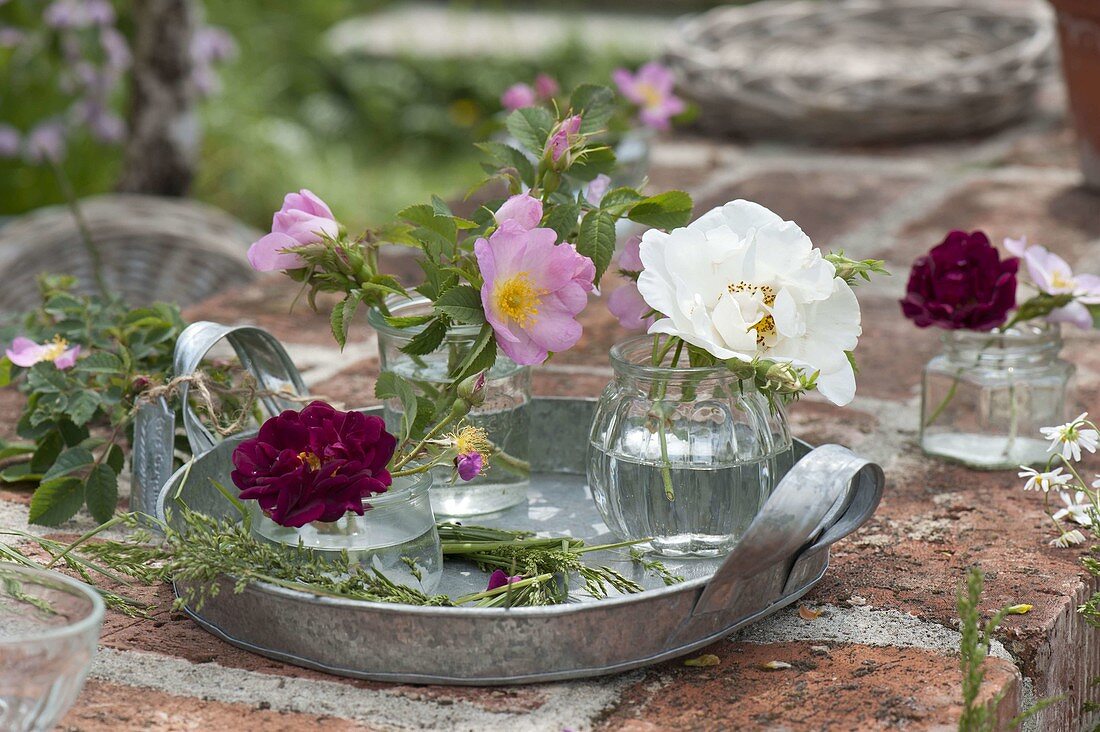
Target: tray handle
827, 495
154, 432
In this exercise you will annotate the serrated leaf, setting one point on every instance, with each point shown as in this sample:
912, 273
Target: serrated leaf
101, 492
71, 460
563, 219
597, 240
531, 126
620, 200
340, 320
20, 473
100, 362
425, 413
430, 222
481, 357
115, 458
509, 157
72, 434
462, 304
45, 454
440, 207
392, 386
426, 340
56, 501
82, 406
667, 210
591, 162
595, 104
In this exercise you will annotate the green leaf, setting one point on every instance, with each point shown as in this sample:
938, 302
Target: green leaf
426, 340
531, 126
19, 473
1094, 310
82, 406
5, 371
666, 210
407, 321
49, 447
563, 219
430, 221
595, 104
72, 459
340, 320
592, 162
115, 458
620, 200
482, 355
597, 240
72, 434
425, 413
392, 386
462, 304
100, 362
101, 492
509, 157
56, 501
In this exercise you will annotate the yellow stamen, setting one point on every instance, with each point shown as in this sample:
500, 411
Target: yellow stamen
651, 95
471, 439
55, 349
517, 299
310, 459
1058, 282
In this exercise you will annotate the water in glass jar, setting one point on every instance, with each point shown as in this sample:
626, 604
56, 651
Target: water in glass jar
713, 504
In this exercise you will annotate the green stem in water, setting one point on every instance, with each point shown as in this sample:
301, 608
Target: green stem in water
662, 389
946, 400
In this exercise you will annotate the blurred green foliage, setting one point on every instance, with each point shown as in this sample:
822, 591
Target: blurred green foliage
369, 135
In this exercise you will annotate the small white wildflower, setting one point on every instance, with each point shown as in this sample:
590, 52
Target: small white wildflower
1069, 538
1043, 481
1071, 437
1078, 508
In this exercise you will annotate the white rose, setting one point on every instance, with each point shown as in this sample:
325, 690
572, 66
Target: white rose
740, 282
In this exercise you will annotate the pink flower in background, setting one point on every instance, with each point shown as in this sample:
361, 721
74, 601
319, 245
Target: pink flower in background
546, 86
469, 465
303, 219
11, 37
499, 578
597, 189
533, 290
115, 48
563, 137
78, 13
523, 209
26, 353
626, 303
651, 89
46, 142
10, 141
518, 96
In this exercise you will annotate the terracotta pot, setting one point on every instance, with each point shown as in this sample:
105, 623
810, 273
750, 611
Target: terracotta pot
1079, 33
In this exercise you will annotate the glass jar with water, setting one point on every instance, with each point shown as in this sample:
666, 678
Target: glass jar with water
504, 415
685, 457
396, 534
985, 397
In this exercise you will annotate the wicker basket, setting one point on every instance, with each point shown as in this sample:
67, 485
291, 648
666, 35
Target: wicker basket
861, 71
174, 250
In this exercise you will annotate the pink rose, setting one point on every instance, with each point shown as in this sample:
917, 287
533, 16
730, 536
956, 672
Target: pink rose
303, 219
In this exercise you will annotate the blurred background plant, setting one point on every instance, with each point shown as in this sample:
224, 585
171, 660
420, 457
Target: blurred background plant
369, 132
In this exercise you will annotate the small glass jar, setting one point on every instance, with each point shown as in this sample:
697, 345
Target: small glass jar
985, 397
49, 627
684, 456
395, 535
504, 415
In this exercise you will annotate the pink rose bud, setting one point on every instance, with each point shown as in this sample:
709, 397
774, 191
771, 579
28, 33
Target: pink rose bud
303, 219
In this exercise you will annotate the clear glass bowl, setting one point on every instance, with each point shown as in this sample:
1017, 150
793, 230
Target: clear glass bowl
724, 444
49, 627
505, 415
395, 535
984, 398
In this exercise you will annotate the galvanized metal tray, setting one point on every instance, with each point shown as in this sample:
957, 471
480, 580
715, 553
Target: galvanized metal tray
828, 494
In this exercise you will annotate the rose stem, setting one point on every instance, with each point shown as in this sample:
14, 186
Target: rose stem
666, 468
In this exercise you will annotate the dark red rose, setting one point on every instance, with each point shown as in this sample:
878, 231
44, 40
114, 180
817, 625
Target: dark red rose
314, 465
962, 284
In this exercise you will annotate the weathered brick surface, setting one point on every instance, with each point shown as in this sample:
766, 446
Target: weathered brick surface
890, 623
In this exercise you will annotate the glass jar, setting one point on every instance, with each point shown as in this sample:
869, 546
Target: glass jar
395, 535
49, 627
505, 414
686, 456
985, 397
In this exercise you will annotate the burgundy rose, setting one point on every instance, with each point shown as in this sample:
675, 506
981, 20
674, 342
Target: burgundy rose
314, 465
962, 284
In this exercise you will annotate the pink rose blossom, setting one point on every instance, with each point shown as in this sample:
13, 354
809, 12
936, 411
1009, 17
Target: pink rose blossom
518, 96
546, 86
563, 138
533, 290
596, 189
468, 465
651, 89
26, 353
522, 208
1053, 275
303, 219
